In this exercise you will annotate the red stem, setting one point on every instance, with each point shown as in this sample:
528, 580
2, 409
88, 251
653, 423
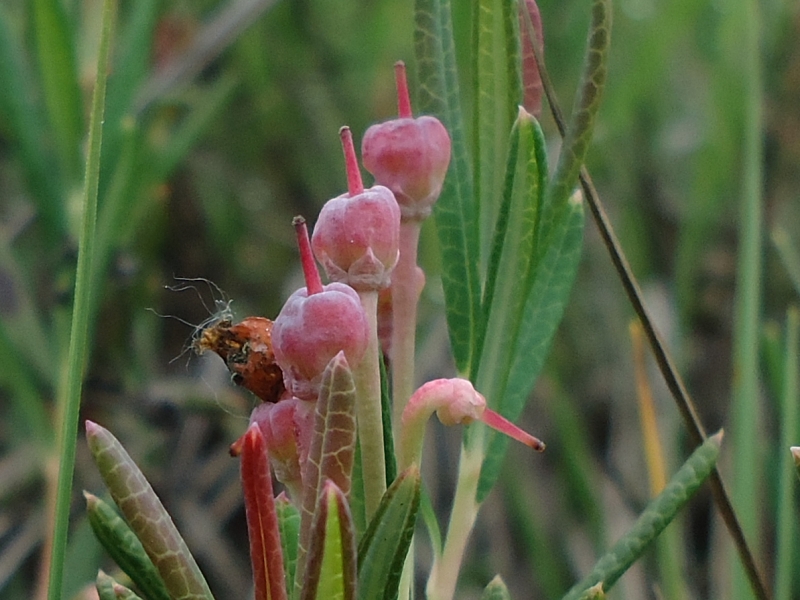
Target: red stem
354, 183
310, 271
403, 99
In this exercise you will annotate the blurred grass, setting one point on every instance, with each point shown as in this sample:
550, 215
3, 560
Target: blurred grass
205, 181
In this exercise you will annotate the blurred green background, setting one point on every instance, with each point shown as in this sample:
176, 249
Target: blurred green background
221, 124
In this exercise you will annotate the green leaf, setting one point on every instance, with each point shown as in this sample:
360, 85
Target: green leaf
105, 586
658, 514
26, 126
332, 450
70, 395
331, 567
289, 526
386, 414
455, 211
147, 517
585, 107
497, 93
548, 295
496, 590
109, 589
59, 75
428, 514
125, 548
511, 264
385, 544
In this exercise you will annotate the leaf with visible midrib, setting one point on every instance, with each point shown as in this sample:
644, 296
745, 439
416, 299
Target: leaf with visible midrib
455, 212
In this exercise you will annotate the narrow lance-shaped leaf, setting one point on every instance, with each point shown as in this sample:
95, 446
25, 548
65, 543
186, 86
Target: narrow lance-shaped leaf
544, 306
455, 212
585, 107
331, 565
125, 548
147, 516
289, 525
511, 264
658, 514
385, 544
332, 448
266, 554
497, 92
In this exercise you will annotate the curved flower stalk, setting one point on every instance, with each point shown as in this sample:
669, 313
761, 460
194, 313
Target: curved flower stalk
455, 402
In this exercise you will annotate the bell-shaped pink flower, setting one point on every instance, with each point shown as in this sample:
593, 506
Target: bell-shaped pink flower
357, 235
315, 324
409, 156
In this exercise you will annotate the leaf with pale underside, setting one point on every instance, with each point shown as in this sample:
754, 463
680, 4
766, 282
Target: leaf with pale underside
331, 562
147, 516
330, 456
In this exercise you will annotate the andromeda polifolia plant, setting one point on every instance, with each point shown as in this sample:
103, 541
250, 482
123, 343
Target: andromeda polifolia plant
339, 432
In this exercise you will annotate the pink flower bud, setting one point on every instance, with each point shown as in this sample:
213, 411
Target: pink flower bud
287, 427
311, 329
357, 235
409, 156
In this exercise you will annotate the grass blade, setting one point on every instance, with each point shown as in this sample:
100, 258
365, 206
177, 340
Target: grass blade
26, 128
658, 514
59, 74
79, 341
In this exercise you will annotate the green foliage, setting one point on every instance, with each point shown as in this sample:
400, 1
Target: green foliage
125, 548
147, 517
496, 590
383, 549
652, 521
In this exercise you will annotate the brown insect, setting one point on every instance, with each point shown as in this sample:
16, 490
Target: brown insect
246, 348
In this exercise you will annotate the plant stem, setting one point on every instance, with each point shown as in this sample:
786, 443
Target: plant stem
368, 410
406, 289
747, 484
662, 356
79, 338
444, 573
